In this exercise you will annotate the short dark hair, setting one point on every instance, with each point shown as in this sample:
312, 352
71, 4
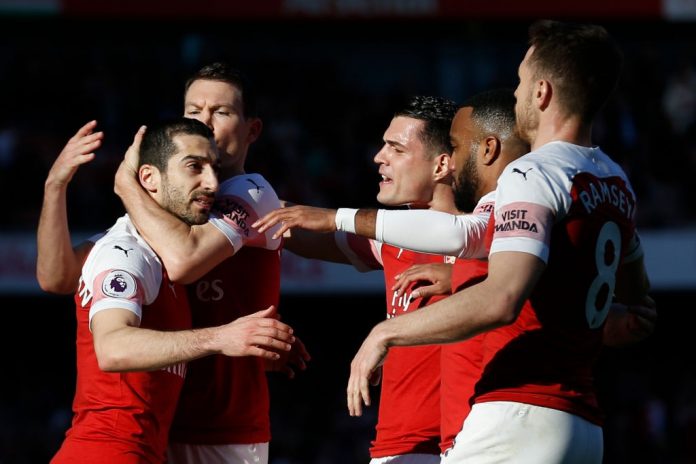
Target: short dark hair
224, 72
437, 114
583, 61
158, 146
493, 112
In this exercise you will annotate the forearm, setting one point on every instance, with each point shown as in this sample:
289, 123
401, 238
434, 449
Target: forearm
365, 223
493, 303
57, 264
455, 318
133, 349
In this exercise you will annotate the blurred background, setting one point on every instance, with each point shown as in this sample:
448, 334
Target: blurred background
329, 73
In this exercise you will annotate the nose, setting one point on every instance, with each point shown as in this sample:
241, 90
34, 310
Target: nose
380, 157
206, 117
210, 180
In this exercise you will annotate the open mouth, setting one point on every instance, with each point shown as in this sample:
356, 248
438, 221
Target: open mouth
204, 202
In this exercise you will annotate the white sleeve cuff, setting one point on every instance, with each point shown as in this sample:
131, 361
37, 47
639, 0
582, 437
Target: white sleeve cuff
345, 219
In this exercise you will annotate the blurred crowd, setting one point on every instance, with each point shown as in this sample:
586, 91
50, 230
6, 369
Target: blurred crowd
326, 95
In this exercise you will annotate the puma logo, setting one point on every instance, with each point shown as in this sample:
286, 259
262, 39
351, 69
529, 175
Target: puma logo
116, 247
524, 173
258, 187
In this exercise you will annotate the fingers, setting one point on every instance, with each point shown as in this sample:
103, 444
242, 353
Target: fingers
78, 151
353, 398
83, 145
358, 394
84, 130
269, 220
275, 341
271, 312
138, 138
643, 312
437, 274
132, 156
301, 350
428, 291
284, 228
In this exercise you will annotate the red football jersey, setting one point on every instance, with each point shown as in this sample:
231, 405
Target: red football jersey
573, 208
225, 399
409, 405
123, 417
460, 362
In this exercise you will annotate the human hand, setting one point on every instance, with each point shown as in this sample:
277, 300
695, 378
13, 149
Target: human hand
365, 371
438, 274
304, 217
259, 334
290, 361
128, 169
627, 324
78, 151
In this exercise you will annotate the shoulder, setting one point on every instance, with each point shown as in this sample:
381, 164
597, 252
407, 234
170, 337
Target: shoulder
121, 249
246, 184
246, 192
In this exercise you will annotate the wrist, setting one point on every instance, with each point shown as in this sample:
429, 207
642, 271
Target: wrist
345, 219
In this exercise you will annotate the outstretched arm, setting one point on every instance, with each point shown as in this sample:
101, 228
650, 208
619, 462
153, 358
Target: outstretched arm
57, 263
120, 345
456, 235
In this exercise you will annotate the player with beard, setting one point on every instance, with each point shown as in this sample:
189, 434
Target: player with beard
132, 346
483, 141
564, 247
231, 271
414, 164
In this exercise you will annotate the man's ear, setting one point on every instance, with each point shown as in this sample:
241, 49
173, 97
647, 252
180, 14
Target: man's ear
489, 150
543, 94
443, 167
150, 177
255, 127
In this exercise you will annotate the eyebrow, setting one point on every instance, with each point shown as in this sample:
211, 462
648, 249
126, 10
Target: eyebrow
394, 143
220, 105
199, 158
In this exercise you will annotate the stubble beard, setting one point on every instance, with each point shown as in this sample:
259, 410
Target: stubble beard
466, 186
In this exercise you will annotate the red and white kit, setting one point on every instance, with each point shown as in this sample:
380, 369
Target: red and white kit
580, 201
123, 417
225, 400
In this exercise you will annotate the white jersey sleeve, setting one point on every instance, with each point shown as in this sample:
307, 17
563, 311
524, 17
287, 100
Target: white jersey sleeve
525, 209
535, 192
121, 271
240, 201
435, 232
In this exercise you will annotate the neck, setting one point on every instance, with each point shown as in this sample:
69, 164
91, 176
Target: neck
563, 129
231, 170
443, 200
